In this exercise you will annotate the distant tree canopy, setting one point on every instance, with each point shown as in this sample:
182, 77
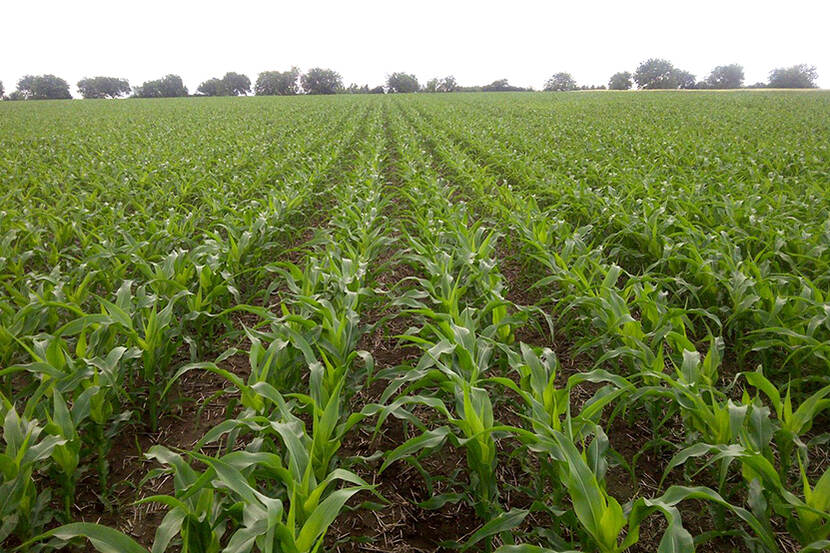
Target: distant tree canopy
653, 73
278, 83
447, 84
103, 87
213, 87
2, 90
402, 82
237, 83
362, 89
501, 85
232, 84
42, 87
797, 76
656, 73
560, 82
620, 81
685, 79
169, 86
321, 81
354, 88
726, 76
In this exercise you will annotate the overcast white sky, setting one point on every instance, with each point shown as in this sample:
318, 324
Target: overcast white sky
523, 40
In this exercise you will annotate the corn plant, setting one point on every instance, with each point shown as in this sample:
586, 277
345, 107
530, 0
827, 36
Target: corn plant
807, 519
453, 367
305, 472
793, 422
26, 447
602, 516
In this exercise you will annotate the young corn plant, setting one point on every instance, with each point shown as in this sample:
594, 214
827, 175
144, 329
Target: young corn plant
26, 448
67, 455
199, 513
305, 473
452, 365
549, 405
793, 422
154, 332
614, 528
96, 388
707, 412
807, 519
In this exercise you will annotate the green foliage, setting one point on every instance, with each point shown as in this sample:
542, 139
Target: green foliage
560, 82
321, 81
213, 87
726, 76
169, 86
620, 81
232, 84
447, 84
276, 83
655, 73
797, 76
103, 87
42, 87
402, 82
501, 85
517, 300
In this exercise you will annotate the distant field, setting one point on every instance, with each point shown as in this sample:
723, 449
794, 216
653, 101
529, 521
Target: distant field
520, 323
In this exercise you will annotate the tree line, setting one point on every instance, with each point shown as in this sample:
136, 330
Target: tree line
651, 74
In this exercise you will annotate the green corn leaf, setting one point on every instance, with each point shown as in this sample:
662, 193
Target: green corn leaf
501, 523
322, 517
428, 440
102, 538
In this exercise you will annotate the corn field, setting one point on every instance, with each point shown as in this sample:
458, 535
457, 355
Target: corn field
511, 323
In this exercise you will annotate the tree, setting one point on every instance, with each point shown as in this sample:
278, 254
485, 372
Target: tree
377, 90
169, 86
237, 84
684, 79
321, 81
213, 87
402, 83
43, 87
354, 88
103, 87
276, 83
656, 73
500, 85
2, 91
560, 82
620, 81
797, 76
232, 84
726, 76
447, 84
